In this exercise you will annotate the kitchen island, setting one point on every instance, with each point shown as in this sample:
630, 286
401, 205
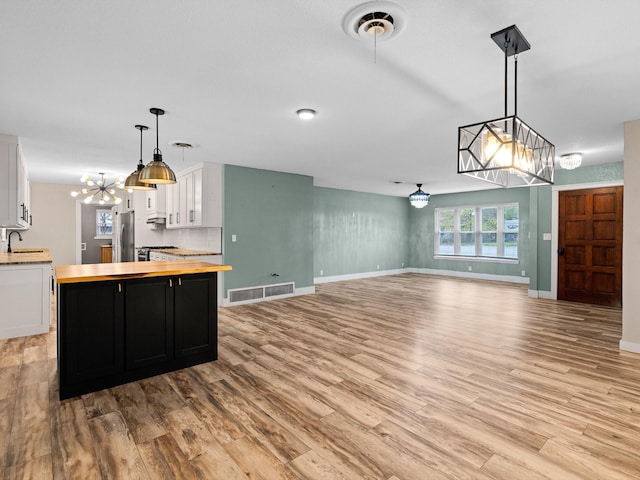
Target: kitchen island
120, 322
25, 292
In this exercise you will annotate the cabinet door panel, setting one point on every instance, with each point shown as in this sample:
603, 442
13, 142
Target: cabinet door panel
92, 336
149, 322
195, 315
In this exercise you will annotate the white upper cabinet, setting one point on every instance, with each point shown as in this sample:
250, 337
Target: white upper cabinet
14, 185
196, 199
156, 203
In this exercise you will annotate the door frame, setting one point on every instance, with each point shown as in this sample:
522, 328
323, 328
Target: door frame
555, 207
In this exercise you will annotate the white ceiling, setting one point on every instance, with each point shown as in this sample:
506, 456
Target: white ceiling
76, 76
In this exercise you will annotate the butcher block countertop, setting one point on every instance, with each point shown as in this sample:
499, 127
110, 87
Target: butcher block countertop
99, 272
185, 252
21, 256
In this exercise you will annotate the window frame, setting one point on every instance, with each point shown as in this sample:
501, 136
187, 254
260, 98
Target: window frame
479, 231
103, 236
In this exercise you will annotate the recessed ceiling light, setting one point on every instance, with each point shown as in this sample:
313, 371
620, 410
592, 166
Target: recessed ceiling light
306, 113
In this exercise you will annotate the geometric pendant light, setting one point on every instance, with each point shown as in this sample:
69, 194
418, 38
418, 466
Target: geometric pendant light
133, 182
157, 171
419, 199
506, 151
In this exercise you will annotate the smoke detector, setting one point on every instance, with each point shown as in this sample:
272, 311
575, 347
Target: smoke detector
384, 20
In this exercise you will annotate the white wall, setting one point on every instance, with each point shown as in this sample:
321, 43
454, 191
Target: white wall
631, 239
54, 222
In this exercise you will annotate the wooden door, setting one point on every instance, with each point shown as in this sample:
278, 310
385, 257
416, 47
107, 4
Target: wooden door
590, 246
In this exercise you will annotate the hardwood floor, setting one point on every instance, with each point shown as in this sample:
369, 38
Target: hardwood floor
401, 377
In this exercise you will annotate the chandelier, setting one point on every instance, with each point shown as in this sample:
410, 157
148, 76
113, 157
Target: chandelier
419, 199
506, 151
101, 190
570, 161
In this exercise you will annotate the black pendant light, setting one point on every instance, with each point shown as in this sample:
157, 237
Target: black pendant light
157, 171
419, 199
506, 151
133, 181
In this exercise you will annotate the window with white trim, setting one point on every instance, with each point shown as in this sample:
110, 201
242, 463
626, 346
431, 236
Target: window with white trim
478, 231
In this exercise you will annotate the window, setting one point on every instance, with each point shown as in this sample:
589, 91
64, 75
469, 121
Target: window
478, 231
104, 223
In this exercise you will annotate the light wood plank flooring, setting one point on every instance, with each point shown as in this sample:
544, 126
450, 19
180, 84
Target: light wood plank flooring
401, 377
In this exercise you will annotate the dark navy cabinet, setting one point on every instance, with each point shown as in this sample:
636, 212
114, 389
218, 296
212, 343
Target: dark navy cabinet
114, 332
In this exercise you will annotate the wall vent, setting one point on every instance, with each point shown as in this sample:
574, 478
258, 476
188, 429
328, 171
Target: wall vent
256, 294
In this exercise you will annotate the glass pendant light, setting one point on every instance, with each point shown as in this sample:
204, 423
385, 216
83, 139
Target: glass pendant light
571, 161
157, 171
133, 182
419, 199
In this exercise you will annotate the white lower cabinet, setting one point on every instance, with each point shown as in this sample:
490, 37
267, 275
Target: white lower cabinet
25, 297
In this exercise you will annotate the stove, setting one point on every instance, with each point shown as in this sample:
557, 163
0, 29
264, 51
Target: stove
143, 252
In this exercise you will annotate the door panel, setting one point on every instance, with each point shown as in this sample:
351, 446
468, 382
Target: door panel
590, 246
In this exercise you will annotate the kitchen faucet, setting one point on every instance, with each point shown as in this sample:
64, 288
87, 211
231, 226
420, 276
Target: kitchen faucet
9, 238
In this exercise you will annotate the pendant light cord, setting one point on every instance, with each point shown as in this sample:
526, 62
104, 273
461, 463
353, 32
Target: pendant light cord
515, 86
141, 146
157, 150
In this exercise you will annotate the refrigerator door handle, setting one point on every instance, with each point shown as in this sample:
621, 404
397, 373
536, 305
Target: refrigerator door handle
122, 237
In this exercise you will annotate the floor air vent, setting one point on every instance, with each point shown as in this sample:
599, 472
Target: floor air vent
255, 294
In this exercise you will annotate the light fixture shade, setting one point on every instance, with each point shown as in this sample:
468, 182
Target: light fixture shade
133, 181
570, 161
306, 113
157, 171
419, 199
506, 152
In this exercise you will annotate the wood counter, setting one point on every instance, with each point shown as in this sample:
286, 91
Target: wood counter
119, 322
20, 256
97, 272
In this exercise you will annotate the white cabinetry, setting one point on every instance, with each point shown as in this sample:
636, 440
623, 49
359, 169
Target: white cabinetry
25, 296
156, 203
173, 205
196, 199
14, 185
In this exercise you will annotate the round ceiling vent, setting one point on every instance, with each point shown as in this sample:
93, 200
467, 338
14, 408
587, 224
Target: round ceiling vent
385, 20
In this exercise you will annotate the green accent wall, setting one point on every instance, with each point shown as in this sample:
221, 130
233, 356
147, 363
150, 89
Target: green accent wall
271, 215
285, 225
358, 232
422, 232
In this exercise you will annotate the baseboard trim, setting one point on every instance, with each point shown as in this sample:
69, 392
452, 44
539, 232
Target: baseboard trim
629, 346
357, 276
477, 276
541, 294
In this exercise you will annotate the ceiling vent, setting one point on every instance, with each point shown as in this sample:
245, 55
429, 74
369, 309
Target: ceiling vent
384, 20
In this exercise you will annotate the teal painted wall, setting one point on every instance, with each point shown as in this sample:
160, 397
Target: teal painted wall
288, 226
271, 214
355, 232
422, 228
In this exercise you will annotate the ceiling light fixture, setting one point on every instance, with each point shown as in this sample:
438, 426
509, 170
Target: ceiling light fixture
506, 151
419, 199
133, 181
157, 171
101, 191
570, 161
306, 113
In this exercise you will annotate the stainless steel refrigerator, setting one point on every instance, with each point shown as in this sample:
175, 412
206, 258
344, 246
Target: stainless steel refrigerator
124, 241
